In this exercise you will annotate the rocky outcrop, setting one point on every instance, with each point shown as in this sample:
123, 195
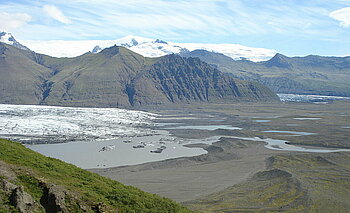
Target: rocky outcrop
23, 201
53, 199
7, 186
17, 196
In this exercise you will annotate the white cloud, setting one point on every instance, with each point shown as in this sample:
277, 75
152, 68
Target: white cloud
11, 21
56, 14
177, 20
342, 15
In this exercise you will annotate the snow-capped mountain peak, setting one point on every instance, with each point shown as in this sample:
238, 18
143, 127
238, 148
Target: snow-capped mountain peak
131, 40
144, 46
96, 49
8, 38
160, 41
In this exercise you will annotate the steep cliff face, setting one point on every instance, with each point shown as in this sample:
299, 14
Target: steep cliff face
304, 75
118, 77
173, 79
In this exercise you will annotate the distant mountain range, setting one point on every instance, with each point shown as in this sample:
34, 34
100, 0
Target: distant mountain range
117, 77
297, 75
146, 47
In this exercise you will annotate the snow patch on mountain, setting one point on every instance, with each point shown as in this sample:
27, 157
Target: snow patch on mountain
146, 47
8, 38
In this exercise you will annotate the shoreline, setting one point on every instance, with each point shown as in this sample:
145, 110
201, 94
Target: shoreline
228, 162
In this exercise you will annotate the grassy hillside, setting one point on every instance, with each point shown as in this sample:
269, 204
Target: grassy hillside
57, 186
293, 183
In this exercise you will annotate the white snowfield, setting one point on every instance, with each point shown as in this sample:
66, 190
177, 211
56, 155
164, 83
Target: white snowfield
146, 47
29, 123
6, 38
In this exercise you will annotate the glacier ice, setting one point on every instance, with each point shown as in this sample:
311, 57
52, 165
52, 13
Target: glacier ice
38, 124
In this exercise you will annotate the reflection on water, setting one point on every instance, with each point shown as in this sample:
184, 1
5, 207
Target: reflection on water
207, 127
276, 144
292, 124
291, 132
262, 121
166, 124
301, 119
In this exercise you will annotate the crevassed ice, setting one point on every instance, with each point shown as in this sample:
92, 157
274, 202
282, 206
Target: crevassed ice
59, 124
309, 98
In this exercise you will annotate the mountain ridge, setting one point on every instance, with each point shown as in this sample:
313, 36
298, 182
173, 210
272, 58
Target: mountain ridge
117, 77
314, 75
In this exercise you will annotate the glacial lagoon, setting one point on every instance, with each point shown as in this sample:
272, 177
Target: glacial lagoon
90, 154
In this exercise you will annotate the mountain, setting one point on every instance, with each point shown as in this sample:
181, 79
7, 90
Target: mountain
31, 182
117, 77
21, 76
146, 47
300, 75
9, 39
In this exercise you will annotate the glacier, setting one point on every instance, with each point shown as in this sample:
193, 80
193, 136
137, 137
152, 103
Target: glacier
309, 98
50, 124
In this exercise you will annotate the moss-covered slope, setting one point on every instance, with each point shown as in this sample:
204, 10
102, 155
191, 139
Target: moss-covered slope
31, 182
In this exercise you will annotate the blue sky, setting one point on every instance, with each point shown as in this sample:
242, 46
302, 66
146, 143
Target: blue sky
291, 27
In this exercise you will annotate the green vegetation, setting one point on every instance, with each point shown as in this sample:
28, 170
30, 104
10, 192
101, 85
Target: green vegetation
34, 172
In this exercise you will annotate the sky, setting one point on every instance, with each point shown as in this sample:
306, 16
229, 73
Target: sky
291, 27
